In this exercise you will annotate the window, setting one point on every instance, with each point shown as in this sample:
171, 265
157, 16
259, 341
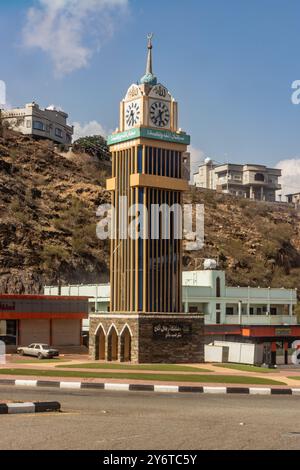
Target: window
229, 311
38, 125
28, 124
251, 311
273, 311
11, 327
58, 132
259, 177
258, 311
218, 287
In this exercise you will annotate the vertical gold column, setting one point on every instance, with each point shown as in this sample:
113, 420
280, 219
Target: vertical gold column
131, 242
115, 257
112, 242
145, 255
156, 259
180, 267
127, 239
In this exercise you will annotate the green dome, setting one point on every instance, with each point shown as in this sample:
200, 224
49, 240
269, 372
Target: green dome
149, 79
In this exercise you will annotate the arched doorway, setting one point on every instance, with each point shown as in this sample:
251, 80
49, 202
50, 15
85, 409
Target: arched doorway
112, 345
100, 339
125, 345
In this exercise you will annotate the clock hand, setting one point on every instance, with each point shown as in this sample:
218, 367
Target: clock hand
132, 117
158, 116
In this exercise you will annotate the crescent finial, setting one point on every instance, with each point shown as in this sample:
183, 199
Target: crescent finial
150, 37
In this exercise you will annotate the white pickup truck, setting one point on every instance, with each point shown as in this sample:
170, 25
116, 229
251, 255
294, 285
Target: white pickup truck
39, 350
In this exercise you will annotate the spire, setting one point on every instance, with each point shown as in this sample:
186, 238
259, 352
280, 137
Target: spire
149, 78
149, 58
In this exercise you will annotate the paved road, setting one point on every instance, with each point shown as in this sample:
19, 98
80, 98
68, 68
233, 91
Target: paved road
129, 421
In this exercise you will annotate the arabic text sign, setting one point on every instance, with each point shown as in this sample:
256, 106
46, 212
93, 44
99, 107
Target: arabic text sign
7, 306
171, 331
167, 136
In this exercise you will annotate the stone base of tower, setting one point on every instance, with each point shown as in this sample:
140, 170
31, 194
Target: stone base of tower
147, 338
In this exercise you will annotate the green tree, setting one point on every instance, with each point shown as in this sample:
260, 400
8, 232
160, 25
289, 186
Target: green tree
95, 145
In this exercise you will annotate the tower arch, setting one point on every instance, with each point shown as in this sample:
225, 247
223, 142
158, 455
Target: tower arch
100, 343
126, 344
112, 344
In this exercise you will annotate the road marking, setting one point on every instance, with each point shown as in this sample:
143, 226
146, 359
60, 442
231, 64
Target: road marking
26, 383
166, 388
14, 408
124, 387
71, 385
214, 389
259, 391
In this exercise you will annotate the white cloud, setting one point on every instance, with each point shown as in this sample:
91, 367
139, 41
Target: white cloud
290, 179
197, 157
71, 30
91, 128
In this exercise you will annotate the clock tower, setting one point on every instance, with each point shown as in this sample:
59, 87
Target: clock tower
146, 323
148, 104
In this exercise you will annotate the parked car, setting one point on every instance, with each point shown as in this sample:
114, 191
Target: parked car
39, 350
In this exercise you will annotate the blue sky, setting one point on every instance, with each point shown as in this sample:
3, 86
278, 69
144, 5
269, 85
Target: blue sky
229, 63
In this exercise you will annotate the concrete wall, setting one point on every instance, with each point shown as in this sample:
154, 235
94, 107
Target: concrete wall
243, 353
216, 353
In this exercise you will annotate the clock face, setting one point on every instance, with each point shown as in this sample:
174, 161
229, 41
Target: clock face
159, 114
133, 114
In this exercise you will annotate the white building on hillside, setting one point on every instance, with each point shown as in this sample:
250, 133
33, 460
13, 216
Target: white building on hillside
49, 123
249, 181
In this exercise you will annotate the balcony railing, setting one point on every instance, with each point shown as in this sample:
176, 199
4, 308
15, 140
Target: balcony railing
261, 320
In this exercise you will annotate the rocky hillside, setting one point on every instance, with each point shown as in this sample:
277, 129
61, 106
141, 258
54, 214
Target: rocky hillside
48, 205
257, 243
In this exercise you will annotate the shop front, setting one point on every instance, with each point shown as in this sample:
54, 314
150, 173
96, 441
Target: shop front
55, 320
